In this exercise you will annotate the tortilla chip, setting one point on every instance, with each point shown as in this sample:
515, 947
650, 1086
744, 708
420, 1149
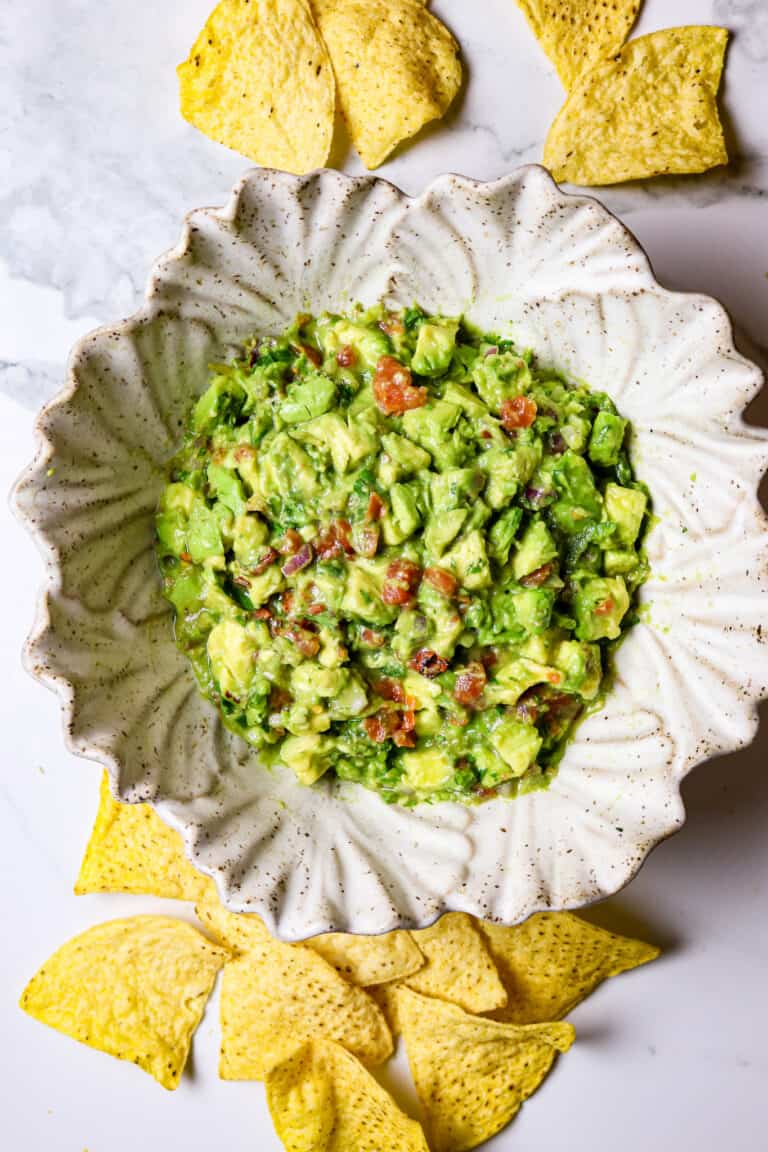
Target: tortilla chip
385, 996
239, 931
472, 1074
577, 34
650, 110
323, 1100
459, 967
367, 960
554, 960
258, 79
135, 988
132, 849
397, 67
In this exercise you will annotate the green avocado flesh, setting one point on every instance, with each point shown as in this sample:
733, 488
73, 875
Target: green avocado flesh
402, 552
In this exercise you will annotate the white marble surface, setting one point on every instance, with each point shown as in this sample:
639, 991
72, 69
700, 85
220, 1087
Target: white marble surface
97, 170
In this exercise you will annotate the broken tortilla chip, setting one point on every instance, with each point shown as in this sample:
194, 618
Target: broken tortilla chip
132, 849
577, 34
135, 988
472, 1074
554, 960
650, 110
323, 1100
397, 68
368, 960
258, 79
459, 967
238, 931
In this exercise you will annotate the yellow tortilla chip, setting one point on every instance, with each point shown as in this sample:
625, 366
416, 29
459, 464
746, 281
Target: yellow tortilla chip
458, 965
239, 931
368, 960
577, 34
132, 849
385, 996
554, 960
397, 67
472, 1074
650, 110
135, 988
259, 80
323, 1100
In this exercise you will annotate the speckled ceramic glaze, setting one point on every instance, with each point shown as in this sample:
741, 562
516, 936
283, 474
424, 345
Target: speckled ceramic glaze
562, 276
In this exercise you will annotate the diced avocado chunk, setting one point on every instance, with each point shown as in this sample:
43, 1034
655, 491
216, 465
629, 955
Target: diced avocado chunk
446, 624
369, 342
470, 405
348, 441
536, 548
626, 508
404, 516
503, 467
533, 608
186, 589
498, 378
362, 598
607, 437
455, 488
434, 347
443, 527
286, 468
308, 755
264, 585
599, 606
225, 395
310, 681
312, 397
578, 498
433, 426
403, 458
517, 746
468, 559
232, 654
427, 769
502, 534
619, 563
204, 535
249, 538
582, 666
227, 487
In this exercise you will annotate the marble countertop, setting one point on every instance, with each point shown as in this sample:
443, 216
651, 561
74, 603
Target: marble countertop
98, 170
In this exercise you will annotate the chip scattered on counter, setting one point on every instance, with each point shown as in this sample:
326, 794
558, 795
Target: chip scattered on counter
459, 967
650, 110
577, 34
132, 849
472, 1074
554, 960
135, 988
396, 66
258, 79
323, 1100
369, 960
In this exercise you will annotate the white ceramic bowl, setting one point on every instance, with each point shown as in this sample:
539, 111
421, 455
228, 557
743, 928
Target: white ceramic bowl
563, 277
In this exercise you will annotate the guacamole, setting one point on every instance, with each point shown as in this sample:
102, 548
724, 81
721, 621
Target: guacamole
401, 551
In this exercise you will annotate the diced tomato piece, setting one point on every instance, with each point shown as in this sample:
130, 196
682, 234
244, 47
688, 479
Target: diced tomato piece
519, 412
265, 562
402, 580
306, 642
372, 639
185, 557
536, 578
485, 793
366, 539
289, 543
605, 608
392, 325
245, 452
316, 609
393, 387
390, 689
405, 735
333, 541
469, 685
489, 657
262, 614
381, 725
428, 663
279, 698
346, 356
311, 354
375, 507
444, 581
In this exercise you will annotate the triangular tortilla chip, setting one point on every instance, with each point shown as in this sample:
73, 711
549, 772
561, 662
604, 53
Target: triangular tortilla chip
459, 967
397, 68
368, 960
650, 110
276, 996
323, 1100
554, 960
258, 79
577, 34
135, 988
132, 849
472, 1074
